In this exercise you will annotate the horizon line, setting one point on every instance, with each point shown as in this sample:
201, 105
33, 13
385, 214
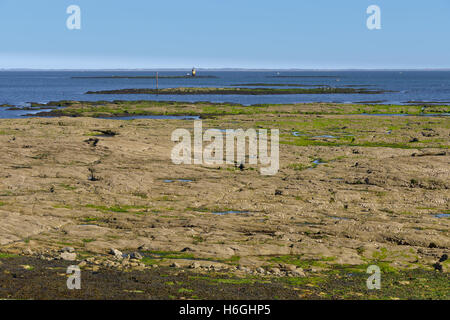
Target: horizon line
225, 69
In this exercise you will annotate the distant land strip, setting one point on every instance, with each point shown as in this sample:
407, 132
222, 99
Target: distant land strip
146, 77
277, 85
243, 91
306, 76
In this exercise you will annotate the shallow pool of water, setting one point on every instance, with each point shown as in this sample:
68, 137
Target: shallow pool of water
327, 136
339, 218
21, 113
318, 161
230, 212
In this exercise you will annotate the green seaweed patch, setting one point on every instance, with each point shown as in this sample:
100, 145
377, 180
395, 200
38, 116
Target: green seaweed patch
88, 240
210, 210
150, 261
298, 166
90, 219
169, 255
297, 260
8, 256
116, 208
67, 187
154, 256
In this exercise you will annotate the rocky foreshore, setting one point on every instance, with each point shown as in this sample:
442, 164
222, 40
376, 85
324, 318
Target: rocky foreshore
351, 191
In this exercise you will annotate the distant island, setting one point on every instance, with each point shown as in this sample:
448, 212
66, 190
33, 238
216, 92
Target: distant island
147, 77
243, 91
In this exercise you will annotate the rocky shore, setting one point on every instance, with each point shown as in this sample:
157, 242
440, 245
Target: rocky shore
352, 191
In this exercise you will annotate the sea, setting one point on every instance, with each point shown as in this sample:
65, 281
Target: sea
20, 88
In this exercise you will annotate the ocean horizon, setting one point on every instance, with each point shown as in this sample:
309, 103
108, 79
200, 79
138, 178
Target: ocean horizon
19, 88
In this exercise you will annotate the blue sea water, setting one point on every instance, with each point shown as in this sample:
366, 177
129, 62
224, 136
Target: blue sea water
21, 87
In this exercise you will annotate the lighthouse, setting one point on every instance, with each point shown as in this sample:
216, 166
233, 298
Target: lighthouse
194, 72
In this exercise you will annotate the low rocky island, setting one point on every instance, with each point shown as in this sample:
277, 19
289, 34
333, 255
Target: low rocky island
148, 77
240, 91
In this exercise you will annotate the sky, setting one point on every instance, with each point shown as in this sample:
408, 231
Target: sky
255, 34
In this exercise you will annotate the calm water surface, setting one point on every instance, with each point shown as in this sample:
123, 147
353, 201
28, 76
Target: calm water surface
21, 87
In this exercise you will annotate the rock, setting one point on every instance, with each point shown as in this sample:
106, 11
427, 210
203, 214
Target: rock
437, 266
68, 256
92, 141
290, 267
136, 255
82, 264
116, 253
260, 270
195, 265
298, 273
275, 270
175, 265
443, 258
68, 249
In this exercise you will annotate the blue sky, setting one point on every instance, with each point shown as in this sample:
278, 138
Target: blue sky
315, 34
